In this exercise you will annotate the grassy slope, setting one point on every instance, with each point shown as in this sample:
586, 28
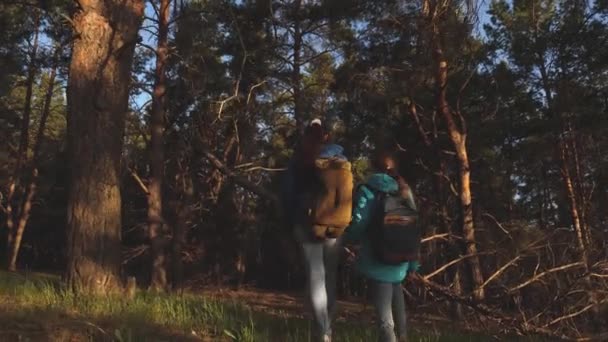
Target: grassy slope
36, 308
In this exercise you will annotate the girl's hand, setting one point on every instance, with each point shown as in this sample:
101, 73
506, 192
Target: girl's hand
351, 254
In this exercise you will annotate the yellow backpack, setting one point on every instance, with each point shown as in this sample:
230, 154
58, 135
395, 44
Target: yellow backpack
331, 209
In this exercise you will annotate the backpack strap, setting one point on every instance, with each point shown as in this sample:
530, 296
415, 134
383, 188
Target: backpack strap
377, 207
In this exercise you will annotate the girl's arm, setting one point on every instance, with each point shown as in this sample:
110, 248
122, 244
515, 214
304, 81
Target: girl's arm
362, 212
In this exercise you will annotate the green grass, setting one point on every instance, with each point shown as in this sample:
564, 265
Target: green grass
38, 308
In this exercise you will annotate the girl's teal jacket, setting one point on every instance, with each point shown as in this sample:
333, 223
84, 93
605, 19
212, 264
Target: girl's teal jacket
362, 212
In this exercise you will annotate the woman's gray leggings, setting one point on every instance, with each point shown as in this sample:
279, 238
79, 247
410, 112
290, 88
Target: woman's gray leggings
389, 303
321, 262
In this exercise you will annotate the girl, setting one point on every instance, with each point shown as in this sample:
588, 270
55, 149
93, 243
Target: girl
386, 280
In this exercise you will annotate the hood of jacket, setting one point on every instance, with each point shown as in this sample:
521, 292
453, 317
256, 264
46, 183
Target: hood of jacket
382, 182
332, 151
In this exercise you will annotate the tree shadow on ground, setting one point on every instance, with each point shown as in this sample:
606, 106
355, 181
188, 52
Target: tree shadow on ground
55, 325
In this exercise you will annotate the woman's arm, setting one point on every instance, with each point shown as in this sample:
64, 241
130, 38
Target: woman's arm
362, 212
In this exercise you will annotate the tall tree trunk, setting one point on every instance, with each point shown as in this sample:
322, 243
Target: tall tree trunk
562, 145
439, 183
26, 203
458, 137
296, 76
24, 139
576, 222
98, 91
157, 156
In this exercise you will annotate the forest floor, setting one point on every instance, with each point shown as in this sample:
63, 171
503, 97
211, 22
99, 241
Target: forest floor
35, 308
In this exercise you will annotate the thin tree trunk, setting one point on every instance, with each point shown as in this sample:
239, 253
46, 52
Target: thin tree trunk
576, 222
543, 200
180, 205
563, 156
157, 157
580, 189
458, 138
296, 76
15, 183
27, 108
26, 206
98, 90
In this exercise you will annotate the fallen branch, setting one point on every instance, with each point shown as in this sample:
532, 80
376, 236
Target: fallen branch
547, 272
509, 322
446, 266
447, 292
596, 275
600, 337
500, 271
575, 313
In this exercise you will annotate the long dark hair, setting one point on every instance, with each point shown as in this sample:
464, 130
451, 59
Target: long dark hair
310, 146
384, 161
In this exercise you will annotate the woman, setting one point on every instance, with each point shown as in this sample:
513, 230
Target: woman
386, 280
320, 257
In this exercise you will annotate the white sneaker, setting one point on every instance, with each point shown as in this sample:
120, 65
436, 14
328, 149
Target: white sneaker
326, 338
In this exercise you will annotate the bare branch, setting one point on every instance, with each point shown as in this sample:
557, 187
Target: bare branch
435, 237
252, 89
547, 272
155, 8
440, 174
245, 183
183, 16
574, 314
134, 253
148, 47
312, 58
453, 262
261, 168
597, 275
488, 215
414, 113
138, 180
500, 271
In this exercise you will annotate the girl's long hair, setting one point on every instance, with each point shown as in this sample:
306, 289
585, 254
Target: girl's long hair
386, 162
310, 146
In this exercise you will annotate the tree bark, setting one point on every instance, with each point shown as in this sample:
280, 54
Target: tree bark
98, 90
458, 137
157, 157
